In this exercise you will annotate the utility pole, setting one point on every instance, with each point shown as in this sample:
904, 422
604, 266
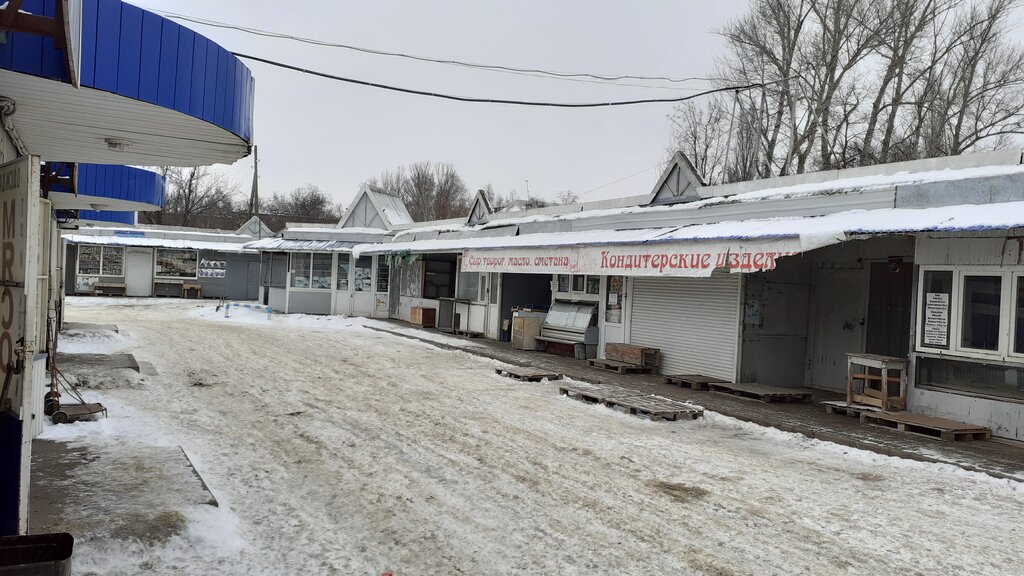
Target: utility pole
254, 196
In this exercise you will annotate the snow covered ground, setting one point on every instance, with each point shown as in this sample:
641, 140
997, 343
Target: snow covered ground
335, 449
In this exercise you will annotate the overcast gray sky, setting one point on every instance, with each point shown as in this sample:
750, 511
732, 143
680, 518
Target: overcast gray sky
334, 135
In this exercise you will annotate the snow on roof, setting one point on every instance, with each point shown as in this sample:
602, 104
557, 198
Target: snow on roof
234, 247
813, 231
391, 207
837, 186
333, 229
294, 245
168, 230
527, 240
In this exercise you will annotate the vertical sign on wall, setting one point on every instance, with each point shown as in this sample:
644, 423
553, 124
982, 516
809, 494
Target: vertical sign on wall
936, 319
19, 317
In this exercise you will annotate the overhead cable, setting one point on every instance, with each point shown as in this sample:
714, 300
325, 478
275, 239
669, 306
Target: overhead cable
496, 100
492, 67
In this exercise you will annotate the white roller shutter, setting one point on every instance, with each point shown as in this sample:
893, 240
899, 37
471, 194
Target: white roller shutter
694, 321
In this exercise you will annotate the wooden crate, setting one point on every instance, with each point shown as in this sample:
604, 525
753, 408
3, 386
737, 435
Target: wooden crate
632, 354
886, 389
425, 317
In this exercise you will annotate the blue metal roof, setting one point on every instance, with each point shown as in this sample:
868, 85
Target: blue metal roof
112, 182
137, 54
112, 216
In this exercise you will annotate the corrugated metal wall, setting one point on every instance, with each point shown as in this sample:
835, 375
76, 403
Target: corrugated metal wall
694, 321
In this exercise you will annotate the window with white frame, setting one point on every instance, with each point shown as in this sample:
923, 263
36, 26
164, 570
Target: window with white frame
100, 260
172, 263
563, 283
321, 271
343, 262
971, 311
1018, 315
383, 274
311, 270
469, 286
363, 281
301, 266
970, 330
579, 283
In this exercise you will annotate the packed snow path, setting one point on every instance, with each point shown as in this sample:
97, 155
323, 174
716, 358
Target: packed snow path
342, 450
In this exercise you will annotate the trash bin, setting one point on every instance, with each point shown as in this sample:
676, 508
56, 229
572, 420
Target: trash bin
36, 555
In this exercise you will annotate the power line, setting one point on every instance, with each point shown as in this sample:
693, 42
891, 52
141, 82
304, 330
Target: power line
491, 67
595, 188
495, 100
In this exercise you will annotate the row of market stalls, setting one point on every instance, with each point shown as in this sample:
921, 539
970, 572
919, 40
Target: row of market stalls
151, 260
88, 89
773, 281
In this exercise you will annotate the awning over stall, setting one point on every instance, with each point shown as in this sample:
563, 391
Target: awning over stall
232, 247
295, 245
739, 246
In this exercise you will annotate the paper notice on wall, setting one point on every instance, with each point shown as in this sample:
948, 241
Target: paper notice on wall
936, 319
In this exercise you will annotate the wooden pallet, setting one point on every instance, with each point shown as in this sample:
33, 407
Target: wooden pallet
656, 407
632, 354
695, 381
620, 367
527, 374
762, 392
930, 426
846, 409
596, 393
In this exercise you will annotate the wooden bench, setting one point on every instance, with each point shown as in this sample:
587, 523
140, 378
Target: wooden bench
108, 289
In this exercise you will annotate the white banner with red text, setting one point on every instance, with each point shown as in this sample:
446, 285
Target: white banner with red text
693, 259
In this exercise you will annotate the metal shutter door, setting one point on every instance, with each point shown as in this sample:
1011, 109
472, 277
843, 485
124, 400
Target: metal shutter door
694, 321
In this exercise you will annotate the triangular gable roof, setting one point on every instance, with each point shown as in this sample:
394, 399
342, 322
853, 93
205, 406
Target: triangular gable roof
256, 228
480, 212
375, 208
678, 183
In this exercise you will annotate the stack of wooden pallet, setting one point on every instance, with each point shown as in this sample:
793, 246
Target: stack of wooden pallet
627, 358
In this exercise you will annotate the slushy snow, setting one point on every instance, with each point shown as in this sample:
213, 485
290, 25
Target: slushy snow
335, 449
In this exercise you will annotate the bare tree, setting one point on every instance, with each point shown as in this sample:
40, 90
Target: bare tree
193, 194
567, 197
498, 201
700, 133
304, 204
429, 191
856, 82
